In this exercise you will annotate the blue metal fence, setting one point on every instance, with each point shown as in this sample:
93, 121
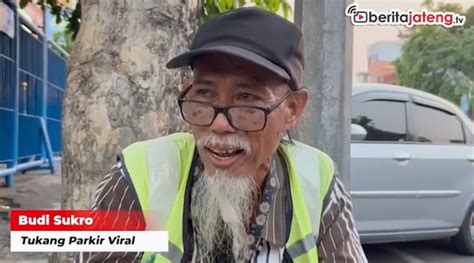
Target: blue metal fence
30, 109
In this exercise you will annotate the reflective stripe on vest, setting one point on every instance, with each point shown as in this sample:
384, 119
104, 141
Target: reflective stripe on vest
159, 170
303, 166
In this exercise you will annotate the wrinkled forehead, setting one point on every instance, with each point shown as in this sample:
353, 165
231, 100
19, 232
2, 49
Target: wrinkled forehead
216, 66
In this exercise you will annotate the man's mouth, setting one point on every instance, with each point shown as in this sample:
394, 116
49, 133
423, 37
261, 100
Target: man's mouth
225, 153
224, 158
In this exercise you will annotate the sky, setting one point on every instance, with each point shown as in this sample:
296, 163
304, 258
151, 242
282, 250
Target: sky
52, 27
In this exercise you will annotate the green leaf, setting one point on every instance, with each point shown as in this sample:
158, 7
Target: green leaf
276, 6
220, 4
58, 20
286, 9
259, 3
210, 8
24, 3
229, 4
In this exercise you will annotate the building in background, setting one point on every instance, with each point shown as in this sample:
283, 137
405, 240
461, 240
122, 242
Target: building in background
381, 56
33, 14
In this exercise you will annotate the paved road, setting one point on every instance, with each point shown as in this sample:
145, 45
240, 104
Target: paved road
38, 190
438, 251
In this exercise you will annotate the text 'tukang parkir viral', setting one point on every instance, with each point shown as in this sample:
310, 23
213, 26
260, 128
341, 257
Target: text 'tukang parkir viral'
80, 230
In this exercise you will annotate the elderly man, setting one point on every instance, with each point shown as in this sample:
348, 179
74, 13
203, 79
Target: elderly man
238, 189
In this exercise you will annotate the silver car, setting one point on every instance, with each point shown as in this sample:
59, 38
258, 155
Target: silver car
412, 167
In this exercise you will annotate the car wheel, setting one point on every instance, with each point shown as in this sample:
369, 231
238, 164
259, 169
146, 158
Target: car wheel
463, 241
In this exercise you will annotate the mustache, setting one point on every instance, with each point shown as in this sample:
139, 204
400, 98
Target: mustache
225, 141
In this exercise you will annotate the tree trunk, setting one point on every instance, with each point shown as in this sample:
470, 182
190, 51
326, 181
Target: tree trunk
119, 90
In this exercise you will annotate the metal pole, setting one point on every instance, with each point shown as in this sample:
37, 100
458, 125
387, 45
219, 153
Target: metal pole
298, 12
44, 55
46, 151
328, 70
45, 63
10, 178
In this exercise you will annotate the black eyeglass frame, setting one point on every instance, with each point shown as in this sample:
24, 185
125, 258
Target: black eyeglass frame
225, 110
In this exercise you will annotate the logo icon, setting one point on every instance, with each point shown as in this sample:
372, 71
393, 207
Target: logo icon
351, 10
360, 17
409, 18
357, 17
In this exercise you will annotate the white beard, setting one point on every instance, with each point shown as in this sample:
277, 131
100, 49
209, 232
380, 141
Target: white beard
220, 210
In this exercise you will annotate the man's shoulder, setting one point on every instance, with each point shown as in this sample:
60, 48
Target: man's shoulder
180, 138
326, 164
327, 169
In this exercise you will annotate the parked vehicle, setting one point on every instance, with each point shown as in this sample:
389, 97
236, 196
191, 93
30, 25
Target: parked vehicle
412, 167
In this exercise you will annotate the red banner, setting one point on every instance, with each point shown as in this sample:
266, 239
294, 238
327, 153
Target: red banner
76, 220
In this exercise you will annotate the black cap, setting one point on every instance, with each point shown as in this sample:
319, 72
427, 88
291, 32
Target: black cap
253, 34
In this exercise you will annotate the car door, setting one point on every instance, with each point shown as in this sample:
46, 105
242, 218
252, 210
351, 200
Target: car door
381, 169
444, 164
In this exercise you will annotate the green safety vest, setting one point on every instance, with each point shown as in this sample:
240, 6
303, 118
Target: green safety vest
159, 170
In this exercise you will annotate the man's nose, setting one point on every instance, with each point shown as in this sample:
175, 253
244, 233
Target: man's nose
221, 124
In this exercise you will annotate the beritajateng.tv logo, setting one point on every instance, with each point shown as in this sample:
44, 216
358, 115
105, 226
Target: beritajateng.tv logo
407, 18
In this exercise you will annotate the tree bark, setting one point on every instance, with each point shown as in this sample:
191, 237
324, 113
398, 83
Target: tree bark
119, 90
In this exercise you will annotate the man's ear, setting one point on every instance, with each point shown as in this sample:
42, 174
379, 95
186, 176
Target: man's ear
296, 105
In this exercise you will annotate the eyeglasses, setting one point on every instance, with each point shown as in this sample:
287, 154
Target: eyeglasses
244, 118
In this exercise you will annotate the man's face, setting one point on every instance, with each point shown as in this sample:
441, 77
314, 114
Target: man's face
224, 81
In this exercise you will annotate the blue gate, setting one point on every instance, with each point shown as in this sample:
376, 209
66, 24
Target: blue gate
32, 82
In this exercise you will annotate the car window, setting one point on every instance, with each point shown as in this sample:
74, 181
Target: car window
383, 120
437, 126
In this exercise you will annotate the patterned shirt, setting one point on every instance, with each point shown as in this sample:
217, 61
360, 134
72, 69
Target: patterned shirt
338, 239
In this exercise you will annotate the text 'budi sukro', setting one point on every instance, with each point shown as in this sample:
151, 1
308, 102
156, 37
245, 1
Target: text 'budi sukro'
58, 220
